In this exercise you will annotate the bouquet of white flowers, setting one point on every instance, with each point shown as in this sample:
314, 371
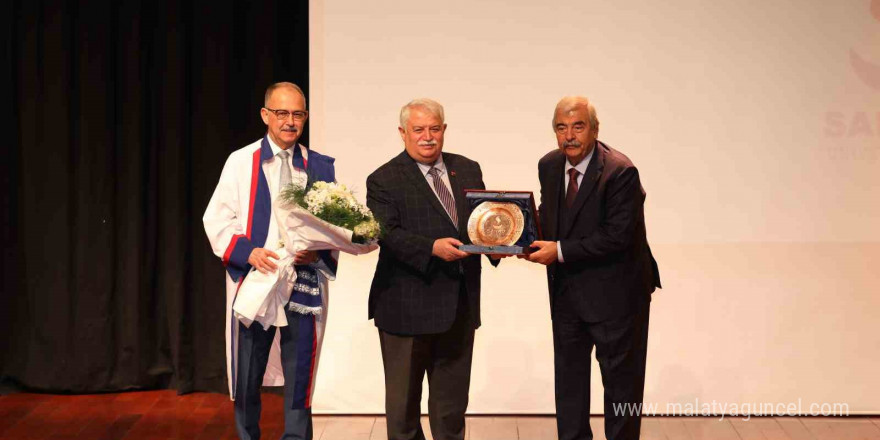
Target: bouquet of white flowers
335, 204
325, 216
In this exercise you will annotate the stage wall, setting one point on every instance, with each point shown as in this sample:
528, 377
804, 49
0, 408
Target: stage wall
756, 129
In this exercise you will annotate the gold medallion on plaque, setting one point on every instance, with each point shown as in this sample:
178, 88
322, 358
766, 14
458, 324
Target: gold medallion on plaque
495, 224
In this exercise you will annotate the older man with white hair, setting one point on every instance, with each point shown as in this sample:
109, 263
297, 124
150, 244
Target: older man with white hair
600, 273
425, 296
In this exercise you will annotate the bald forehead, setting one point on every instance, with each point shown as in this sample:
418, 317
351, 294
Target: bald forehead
287, 89
284, 88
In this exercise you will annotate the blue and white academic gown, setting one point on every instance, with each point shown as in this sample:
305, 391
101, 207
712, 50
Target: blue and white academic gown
239, 218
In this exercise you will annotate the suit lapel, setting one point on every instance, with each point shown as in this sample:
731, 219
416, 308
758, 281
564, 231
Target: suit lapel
588, 183
420, 182
457, 193
552, 205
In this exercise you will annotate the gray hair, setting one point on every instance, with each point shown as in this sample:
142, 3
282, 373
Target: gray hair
430, 105
278, 85
570, 103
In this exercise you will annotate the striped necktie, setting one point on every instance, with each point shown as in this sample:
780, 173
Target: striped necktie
444, 195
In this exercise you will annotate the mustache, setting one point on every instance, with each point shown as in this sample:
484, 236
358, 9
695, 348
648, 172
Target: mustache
571, 144
290, 129
427, 143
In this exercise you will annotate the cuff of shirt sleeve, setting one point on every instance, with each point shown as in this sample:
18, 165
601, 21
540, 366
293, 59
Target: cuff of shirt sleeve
237, 254
559, 252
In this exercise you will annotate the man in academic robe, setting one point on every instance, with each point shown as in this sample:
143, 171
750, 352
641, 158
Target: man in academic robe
244, 233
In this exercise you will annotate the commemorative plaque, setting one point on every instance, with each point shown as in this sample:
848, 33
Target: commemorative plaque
501, 222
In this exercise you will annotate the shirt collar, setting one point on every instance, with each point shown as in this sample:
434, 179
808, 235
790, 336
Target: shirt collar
437, 164
582, 165
276, 149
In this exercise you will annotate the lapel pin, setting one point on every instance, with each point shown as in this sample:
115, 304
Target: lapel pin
452, 173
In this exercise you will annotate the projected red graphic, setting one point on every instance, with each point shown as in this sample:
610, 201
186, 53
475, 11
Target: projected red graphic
867, 71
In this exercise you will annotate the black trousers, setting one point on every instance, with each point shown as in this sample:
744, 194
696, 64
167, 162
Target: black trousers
621, 349
446, 358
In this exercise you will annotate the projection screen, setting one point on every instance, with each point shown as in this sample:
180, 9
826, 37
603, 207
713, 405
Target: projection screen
755, 127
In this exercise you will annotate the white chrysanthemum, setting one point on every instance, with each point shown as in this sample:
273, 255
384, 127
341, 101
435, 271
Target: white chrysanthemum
324, 194
329, 193
368, 229
316, 200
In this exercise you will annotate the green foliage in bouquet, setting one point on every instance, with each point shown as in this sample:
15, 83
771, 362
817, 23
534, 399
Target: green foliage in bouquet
335, 204
294, 195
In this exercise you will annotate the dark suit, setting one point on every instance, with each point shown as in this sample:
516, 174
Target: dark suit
600, 294
426, 309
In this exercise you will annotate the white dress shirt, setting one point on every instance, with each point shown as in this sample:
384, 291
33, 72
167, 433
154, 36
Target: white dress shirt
272, 170
582, 169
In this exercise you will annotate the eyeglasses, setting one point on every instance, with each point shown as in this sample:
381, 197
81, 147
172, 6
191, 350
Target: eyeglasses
298, 115
578, 127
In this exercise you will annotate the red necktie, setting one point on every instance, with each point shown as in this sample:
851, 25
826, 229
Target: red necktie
572, 190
